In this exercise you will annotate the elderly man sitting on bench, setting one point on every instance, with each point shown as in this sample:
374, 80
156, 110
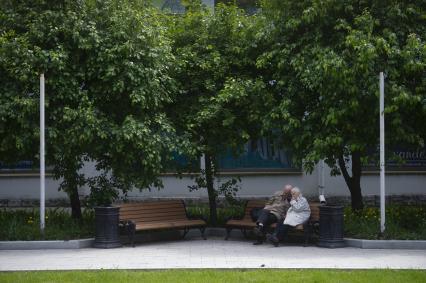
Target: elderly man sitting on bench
273, 212
298, 213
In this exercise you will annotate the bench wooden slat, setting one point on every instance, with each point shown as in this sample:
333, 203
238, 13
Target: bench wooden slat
153, 208
244, 223
250, 205
154, 215
151, 214
124, 209
144, 220
146, 206
150, 202
154, 219
148, 214
315, 211
174, 224
129, 216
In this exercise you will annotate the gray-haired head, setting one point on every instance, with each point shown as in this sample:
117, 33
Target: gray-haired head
287, 189
296, 191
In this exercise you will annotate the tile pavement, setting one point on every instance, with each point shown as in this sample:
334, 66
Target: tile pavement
195, 253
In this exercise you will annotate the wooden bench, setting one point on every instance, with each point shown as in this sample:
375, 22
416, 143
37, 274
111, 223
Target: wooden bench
157, 215
246, 223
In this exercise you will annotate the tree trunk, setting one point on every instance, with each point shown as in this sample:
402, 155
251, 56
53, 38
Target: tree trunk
211, 191
75, 203
71, 182
354, 182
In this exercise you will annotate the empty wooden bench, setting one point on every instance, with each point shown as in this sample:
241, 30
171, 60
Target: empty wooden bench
246, 223
157, 215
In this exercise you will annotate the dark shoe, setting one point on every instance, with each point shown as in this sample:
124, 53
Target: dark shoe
257, 243
273, 239
258, 231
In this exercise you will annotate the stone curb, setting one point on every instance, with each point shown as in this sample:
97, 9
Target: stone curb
386, 244
88, 243
210, 232
40, 245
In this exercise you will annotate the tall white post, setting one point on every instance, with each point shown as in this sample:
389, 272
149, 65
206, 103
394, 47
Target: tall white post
42, 168
203, 162
321, 183
382, 153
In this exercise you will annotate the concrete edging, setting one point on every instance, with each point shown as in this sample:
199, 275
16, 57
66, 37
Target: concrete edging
215, 232
40, 245
386, 244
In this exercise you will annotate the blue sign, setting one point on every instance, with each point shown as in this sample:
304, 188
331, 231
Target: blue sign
258, 155
21, 165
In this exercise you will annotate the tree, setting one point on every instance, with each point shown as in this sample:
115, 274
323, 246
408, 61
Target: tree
106, 65
324, 60
33, 42
128, 80
211, 110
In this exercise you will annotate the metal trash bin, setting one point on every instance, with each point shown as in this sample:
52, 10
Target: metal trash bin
106, 230
331, 227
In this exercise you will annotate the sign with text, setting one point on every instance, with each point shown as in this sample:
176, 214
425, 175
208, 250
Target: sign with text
402, 158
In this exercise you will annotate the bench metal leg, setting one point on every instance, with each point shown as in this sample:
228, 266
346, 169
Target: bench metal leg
228, 232
203, 230
306, 233
244, 231
131, 229
185, 231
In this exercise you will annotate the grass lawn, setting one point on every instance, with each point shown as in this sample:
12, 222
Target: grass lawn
205, 276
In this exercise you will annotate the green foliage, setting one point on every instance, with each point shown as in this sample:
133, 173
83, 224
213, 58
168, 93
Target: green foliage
127, 86
323, 59
104, 190
402, 223
24, 225
326, 57
228, 189
212, 109
213, 64
106, 65
223, 213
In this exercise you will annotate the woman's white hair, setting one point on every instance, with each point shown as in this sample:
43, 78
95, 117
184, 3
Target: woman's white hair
296, 190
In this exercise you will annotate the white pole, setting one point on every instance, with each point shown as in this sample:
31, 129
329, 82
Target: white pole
321, 183
382, 153
203, 162
42, 168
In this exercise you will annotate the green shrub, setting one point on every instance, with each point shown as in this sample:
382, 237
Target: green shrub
24, 224
402, 222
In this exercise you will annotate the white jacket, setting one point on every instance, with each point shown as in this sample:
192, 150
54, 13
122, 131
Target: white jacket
298, 213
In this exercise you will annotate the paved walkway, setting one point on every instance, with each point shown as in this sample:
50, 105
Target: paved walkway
212, 253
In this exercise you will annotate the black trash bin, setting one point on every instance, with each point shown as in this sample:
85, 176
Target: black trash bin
331, 227
106, 230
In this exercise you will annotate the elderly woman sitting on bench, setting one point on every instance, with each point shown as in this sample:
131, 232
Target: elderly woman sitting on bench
298, 213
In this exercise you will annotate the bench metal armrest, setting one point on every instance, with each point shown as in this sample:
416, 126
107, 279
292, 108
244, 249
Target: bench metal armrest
234, 218
193, 217
125, 222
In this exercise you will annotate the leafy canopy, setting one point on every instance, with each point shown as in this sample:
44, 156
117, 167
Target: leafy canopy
324, 60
